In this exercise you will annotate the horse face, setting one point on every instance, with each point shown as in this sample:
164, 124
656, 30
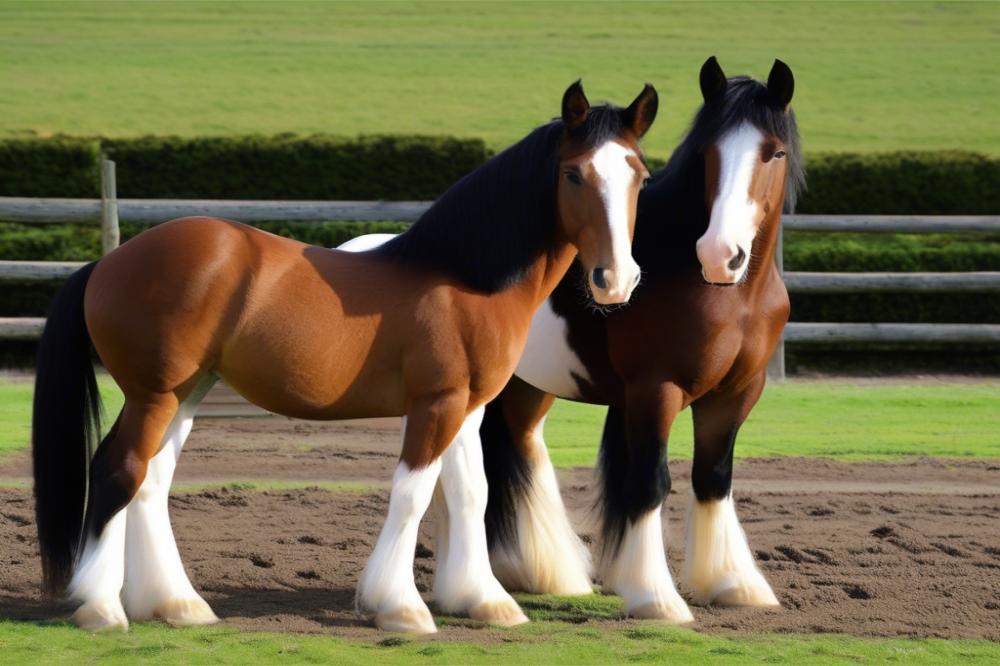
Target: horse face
745, 174
597, 191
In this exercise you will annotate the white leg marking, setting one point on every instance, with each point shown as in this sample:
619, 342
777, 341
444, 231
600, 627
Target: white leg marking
156, 585
465, 582
387, 585
97, 581
718, 565
549, 557
641, 576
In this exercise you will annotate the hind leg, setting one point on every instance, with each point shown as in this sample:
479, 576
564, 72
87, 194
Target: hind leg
533, 545
156, 585
116, 472
719, 567
465, 582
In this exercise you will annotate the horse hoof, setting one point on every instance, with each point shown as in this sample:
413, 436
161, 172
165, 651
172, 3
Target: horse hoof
98, 616
677, 613
406, 621
757, 596
181, 612
505, 613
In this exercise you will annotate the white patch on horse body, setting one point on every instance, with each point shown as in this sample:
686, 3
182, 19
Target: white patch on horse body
365, 243
640, 575
155, 579
548, 361
548, 557
718, 564
734, 220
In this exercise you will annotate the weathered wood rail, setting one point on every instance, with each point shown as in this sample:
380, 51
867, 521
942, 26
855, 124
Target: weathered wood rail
109, 209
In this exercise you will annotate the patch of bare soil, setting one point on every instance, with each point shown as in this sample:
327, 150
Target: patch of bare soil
910, 549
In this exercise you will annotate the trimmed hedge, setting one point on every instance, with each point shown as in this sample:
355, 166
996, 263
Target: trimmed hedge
57, 167
421, 167
903, 183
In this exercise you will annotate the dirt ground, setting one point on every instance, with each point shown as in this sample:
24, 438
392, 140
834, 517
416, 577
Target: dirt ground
910, 549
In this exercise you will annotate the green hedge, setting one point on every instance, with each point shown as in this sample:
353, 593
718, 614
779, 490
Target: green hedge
903, 183
56, 167
421, 167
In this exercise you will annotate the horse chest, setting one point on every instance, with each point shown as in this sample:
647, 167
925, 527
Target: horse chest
549, 361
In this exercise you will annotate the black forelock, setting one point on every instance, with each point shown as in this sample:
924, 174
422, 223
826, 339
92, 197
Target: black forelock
745, 100
488, 228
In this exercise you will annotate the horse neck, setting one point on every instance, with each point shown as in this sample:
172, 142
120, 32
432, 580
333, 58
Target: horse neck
540, 280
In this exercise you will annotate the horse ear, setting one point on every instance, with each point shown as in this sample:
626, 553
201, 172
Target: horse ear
712, 79
641, 113
781, 84
575, 106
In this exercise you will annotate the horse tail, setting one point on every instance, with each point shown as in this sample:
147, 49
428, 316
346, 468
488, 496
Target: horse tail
66, 423
508, 476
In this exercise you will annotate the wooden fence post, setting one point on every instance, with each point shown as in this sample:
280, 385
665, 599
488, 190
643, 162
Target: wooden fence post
776, 366
110, 234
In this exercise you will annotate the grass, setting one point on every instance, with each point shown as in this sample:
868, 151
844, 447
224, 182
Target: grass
869, 76
837, 420
537, 642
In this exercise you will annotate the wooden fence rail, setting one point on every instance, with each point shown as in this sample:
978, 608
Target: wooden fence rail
109, 209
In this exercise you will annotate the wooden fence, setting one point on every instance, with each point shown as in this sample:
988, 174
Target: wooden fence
109, 209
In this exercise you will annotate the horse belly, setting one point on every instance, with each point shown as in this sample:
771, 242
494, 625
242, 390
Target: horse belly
549, 362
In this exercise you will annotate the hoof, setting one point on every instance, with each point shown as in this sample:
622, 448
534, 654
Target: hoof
406, 621
505, 613
101, 616
185, 612
757, 596
676, 613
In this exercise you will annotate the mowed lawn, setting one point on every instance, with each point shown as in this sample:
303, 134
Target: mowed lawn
841, 419
869, 76
539, 642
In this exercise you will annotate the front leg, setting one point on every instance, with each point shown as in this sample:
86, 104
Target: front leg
387, 587
719, 567
464, 582
636, 481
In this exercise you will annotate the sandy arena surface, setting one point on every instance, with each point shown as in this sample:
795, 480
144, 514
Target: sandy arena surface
910, 549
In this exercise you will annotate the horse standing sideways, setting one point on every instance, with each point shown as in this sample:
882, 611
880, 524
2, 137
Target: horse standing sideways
429, 325
699, 331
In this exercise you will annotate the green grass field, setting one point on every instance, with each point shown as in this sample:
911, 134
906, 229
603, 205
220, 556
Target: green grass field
844, 421
538, 642
869, 76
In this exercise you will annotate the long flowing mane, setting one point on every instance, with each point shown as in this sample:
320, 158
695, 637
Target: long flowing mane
672, 214
487, 229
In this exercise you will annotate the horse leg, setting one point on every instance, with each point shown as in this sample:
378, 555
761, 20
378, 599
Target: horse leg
464, 582
116, 472
387, 587
156, 585
718, 566
636, 481
533, 547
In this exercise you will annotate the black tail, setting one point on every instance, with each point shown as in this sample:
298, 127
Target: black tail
65, 426
507, 476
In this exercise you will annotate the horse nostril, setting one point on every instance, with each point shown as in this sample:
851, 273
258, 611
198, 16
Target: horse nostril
635, 280
737, 262
599, 279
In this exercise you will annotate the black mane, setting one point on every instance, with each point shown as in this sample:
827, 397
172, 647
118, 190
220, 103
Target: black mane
672, 208
487, 229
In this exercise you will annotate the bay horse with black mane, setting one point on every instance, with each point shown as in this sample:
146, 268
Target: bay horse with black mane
699, 332
429, 325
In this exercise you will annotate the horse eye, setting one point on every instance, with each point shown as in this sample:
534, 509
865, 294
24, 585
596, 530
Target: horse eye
779, 154
574, 177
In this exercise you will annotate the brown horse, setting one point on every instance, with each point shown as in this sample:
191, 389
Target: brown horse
430, 325
699, 332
